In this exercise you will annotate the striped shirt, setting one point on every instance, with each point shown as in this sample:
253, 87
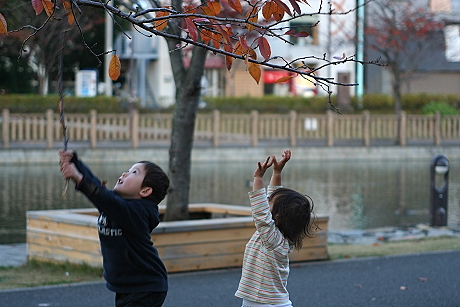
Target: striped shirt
266, 262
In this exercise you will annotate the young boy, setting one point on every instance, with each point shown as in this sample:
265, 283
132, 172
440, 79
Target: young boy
128, 214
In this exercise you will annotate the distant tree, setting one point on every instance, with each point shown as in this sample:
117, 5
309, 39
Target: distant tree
201, 24
41, 41
405, 36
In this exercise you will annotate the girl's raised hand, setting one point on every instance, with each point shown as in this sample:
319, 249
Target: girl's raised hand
279, 165
262, 167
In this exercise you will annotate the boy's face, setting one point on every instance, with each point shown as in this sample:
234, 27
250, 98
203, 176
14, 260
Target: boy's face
129, 185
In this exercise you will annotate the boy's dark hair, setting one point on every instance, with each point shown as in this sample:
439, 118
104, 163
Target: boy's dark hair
156, 179
293, 215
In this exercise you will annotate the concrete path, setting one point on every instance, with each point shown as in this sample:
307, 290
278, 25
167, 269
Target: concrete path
416, 280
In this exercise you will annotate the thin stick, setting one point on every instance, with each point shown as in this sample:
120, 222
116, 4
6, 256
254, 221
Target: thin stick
61, 103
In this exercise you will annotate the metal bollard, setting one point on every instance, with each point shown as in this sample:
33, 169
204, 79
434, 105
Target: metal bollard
439, 191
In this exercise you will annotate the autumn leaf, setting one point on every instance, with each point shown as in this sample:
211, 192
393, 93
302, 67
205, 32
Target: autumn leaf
340, 58
297, 34
38, 6
264, 47
283, 6
115, 68
215, 8
206, 36
236, 5
3, 25
161, 24
191, 28
48, 6
284, 79
268, 10
228, 59
252, 17
295, 6
255, 71
69, 12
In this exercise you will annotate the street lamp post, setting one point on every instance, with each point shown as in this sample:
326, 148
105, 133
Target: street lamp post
439, 190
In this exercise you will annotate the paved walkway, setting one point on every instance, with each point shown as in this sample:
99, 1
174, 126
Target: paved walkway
418, 280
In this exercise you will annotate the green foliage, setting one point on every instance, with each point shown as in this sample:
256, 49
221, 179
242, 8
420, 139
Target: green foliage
267, 104
39, 104
439, 106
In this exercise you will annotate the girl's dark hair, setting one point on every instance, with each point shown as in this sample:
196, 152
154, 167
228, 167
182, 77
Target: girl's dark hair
293, 215
156, 179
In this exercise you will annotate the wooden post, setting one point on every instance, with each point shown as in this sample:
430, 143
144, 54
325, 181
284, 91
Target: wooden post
49, 128
292, 126
216, 127
367, 127
93, 128
330, 128
255, 128
437, 129
6, 128
402, 128
135, 128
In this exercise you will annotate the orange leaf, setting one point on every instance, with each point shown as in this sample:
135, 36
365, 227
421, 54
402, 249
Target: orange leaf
228, 59
236, 5
252, 54
115, 68
284, 79
48, 6
38, 6
215, 7
191, 27
206, 36
255, 72
239, 49
69, 11
252, 17
3, 25
278, 12
264, 47
268, 10
161, 24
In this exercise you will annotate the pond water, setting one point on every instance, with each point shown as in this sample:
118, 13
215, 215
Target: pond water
355, 195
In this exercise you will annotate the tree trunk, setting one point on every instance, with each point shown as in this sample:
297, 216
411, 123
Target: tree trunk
188, 90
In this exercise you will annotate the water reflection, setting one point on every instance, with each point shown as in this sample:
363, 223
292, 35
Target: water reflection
355, 195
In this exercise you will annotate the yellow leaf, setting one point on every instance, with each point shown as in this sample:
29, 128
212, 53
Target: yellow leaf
3, 25
161, 24
115, 68
253, 17
255, 71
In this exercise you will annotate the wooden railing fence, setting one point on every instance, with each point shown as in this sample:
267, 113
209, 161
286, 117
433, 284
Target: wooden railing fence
217, 129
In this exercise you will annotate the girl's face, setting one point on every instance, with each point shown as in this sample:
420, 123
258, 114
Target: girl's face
129, 185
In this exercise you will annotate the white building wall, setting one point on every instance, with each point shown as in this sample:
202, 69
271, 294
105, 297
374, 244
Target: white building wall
336, 34
161, 78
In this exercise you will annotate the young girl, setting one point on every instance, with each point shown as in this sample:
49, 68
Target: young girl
283, 218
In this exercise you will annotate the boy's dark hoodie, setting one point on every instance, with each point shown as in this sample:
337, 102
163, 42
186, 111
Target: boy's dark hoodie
131, 262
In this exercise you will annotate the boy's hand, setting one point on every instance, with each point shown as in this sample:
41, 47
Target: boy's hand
65, 156
279, 165
70, 171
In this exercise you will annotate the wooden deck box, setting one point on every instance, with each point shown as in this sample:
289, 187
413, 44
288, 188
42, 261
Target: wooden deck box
216, 241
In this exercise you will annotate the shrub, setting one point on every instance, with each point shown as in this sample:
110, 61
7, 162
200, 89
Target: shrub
439, 106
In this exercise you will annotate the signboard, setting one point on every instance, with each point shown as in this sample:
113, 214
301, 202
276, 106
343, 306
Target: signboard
86, 83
